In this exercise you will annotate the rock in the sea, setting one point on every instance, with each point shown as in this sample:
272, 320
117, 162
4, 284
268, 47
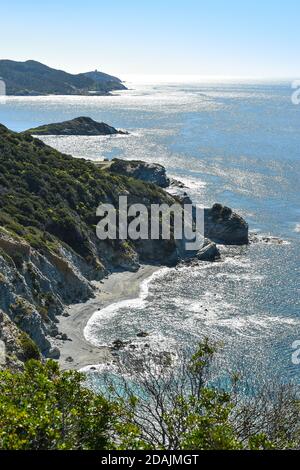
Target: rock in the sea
176, 183
209, 252
149, 172
78, 126
224, 226
267, 239
182, 197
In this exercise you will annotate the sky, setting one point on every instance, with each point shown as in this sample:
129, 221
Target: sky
223, 38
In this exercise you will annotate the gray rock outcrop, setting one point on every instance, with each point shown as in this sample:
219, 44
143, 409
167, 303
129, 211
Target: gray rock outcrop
149, 172
225, 227
209, 252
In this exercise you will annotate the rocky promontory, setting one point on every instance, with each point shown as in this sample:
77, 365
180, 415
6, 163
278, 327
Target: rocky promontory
31, 78
149, 172
49, 252
84, 126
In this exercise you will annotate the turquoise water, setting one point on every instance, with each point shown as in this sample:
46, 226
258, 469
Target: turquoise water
238, 144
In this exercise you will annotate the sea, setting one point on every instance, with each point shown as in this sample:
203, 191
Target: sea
232, 142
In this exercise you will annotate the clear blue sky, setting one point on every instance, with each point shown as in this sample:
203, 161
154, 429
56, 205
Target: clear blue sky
257, 38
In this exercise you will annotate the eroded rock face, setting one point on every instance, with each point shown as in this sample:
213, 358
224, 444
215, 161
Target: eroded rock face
149, 172
224, 226
34, 287
11, 350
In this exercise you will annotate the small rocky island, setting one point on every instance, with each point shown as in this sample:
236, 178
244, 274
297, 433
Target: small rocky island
84, 126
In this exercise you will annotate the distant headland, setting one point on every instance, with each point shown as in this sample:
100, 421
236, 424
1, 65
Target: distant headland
32, 78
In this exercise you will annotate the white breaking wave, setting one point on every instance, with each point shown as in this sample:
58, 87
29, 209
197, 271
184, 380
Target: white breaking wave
297, 228
107, 313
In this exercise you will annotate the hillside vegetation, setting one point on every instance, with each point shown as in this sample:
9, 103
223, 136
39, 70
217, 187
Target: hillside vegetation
49, 252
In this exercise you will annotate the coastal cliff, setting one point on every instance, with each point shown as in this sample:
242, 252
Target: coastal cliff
149, 172
49, 252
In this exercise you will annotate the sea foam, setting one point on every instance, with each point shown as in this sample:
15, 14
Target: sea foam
94, 324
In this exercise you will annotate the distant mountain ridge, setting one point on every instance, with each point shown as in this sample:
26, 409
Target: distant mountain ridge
34, 78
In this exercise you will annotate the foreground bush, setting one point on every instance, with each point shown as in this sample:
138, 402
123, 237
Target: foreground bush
159, 407
43, 408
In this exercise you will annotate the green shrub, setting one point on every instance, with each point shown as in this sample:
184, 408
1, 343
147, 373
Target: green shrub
43, 408
30, 349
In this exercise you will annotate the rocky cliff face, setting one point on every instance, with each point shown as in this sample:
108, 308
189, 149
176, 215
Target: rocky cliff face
224, 226
35, 286
149, 172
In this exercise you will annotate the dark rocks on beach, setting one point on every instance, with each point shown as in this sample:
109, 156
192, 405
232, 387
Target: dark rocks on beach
118, 344
69, 359
224, 226
149, 172
209, 252
53, 353
62, 336
142, 334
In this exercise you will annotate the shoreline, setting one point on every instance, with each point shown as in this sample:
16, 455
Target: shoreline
117, 287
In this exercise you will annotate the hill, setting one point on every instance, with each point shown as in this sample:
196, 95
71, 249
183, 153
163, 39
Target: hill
78, 126
34, 78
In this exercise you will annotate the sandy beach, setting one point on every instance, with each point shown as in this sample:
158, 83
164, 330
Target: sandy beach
118, 286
